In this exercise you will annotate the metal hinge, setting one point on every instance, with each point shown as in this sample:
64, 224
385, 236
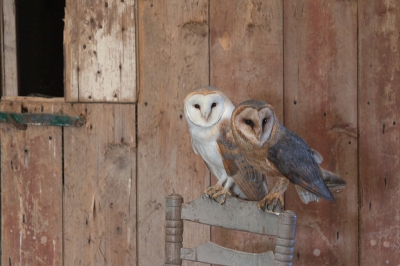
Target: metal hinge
22, 120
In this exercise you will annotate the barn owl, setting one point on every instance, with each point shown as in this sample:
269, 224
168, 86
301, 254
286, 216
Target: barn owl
278, 152
208, 112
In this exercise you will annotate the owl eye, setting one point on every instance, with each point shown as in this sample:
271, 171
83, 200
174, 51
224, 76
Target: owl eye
264, 121
249, 122
197, 106
213, 105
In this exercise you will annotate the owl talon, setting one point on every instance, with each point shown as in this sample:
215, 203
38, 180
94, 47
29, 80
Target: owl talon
214, 192
211, 191
271, 200
223, 192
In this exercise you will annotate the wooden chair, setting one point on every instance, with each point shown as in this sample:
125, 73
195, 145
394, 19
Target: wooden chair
234, 214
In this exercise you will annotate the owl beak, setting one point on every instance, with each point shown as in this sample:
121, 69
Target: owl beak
258, 134
206, 115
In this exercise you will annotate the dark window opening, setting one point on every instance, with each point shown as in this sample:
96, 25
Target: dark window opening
40, 59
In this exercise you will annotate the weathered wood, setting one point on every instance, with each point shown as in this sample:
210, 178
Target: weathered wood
31, 182
100, 186
285, 238
379, 115
246, 60
247, 50
238, 215
173, 58
2, 61
26, 99
9, 50
25, 119
100, 60
213, 253
173, 230
320, 77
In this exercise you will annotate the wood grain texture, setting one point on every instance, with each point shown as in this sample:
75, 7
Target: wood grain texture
100, 56
240, 215
379, 115
100, 186
247, 50
173, 58
9, 50
210, 252
235, 214
246, 60
31, 182
320, 77
2, 50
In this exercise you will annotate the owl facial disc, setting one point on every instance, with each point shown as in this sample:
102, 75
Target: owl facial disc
254, 124
205, 110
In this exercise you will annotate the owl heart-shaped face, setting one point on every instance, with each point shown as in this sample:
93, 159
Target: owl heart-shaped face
204, 110
252, 123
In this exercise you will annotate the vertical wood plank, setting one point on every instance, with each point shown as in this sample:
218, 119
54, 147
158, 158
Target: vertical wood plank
9, 50
173, 58
100, 60
31, 182
247, 63
379, 115
320, 77
100, 186
2, 52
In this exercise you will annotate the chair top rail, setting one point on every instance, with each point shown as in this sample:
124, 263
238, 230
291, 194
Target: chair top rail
235, 214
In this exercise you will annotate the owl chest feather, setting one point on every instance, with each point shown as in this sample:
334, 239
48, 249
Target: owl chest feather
205, 142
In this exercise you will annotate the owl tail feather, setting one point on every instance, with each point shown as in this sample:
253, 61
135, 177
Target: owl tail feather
332, 180
305, 195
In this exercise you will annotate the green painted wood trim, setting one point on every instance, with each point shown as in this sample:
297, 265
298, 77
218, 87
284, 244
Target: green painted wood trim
41, 119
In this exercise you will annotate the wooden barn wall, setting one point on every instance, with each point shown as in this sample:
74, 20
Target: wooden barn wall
379, 132
99, 208
320, 87
95, 195
246, 62
173, 58
99, 47
31, 182
9, 50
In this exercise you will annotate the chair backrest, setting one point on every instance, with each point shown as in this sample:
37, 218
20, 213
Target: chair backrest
234, 214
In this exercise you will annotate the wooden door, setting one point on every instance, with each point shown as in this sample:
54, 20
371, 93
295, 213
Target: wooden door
69, 193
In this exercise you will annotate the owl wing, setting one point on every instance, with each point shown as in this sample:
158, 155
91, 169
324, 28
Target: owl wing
295, 160
250, 181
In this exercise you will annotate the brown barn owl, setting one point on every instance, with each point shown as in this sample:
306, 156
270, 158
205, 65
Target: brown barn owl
278, 152
208, 112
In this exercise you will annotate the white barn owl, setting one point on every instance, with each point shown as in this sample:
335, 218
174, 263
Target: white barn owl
208, 112
278, 152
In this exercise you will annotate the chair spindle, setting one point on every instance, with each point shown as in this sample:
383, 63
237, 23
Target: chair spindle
173, 230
